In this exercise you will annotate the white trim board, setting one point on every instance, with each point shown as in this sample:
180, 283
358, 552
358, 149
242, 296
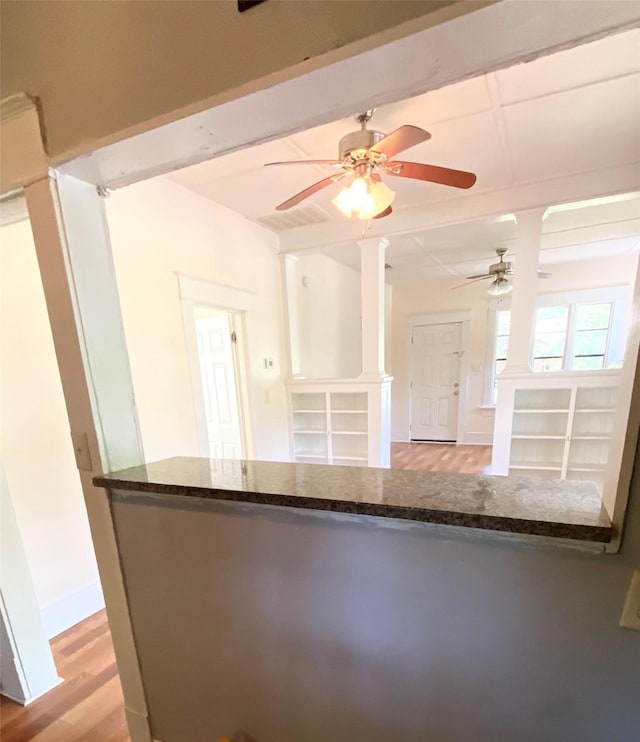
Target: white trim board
70, 609
229, 298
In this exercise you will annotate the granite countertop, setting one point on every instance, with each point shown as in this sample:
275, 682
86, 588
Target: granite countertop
542, 507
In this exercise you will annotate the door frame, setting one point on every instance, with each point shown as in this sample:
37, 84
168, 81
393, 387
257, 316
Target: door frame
235, 302
444, 318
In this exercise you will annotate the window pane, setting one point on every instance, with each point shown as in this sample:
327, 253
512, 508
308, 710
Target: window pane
549, 344
552, 319
501, 346
588, 363
503, 321
547, 364
590, 342
593, 316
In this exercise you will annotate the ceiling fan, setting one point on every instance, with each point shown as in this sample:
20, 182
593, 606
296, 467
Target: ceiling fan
500, 273
367, 155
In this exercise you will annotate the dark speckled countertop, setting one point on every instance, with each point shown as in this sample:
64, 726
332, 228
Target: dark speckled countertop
541, 507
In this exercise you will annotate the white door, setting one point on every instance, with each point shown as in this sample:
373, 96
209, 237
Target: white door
435, 381
219, 389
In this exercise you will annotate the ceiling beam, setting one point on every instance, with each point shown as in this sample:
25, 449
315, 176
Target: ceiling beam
469, 206
492, 37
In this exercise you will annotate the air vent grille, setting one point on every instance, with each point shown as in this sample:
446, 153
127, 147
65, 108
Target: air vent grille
299, 217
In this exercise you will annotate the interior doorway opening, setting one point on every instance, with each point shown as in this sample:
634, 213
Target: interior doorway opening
220, 412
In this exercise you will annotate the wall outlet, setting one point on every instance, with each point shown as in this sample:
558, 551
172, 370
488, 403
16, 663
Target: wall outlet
268, 363
630, 618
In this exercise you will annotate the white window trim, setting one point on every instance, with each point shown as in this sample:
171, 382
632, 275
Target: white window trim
619, 296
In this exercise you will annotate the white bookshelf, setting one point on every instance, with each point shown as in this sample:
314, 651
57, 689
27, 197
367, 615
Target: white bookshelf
556, 426
340, 422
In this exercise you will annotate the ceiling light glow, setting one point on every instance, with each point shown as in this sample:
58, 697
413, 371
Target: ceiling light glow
364, 198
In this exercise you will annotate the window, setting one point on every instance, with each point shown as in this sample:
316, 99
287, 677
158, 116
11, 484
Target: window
503, 321
579, 330
592, 330
550, 338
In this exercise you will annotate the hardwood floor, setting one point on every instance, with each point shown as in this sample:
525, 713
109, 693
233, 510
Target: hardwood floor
441, 457
87, 706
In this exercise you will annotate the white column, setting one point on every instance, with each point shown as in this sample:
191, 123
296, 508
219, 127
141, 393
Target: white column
372, 306
290, 305
71, 236
525, 289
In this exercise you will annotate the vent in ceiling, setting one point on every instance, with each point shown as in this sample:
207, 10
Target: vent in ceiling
300, 217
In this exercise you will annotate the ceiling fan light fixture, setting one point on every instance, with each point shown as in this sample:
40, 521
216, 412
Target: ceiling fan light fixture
364, 198
500, 286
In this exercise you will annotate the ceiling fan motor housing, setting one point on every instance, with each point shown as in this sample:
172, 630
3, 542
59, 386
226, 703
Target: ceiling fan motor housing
502, 267
354, 146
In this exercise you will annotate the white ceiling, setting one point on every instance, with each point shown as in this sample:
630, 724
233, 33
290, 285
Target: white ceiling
576, 111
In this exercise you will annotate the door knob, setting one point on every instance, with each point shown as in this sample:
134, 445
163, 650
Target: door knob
455, 394
456, 384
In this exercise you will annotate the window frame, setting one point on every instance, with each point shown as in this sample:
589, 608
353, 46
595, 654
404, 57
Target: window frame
619, 297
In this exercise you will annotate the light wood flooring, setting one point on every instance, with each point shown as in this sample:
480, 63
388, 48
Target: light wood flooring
448, 457
87, 707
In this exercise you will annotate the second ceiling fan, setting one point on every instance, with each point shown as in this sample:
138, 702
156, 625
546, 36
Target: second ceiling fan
367, 155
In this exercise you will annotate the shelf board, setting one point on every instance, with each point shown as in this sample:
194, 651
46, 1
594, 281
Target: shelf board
591, 437
527, 437
349, 458
306, 412
536, 465
587, 467
349, 432
310, 432
595, 409
349, 412
549, 409
300, 455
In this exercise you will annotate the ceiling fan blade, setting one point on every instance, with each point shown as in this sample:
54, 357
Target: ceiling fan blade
294, 200
431, 173
544, 274
473, 280
483, 275
305, 162
384, 213
400, 139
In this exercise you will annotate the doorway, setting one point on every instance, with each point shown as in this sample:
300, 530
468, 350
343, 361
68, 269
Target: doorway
216, 337
435, 381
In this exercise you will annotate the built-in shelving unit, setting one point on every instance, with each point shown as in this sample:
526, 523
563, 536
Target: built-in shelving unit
340, 423
558, 427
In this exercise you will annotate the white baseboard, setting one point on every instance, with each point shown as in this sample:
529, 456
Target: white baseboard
401, 436
71, 608
478, 439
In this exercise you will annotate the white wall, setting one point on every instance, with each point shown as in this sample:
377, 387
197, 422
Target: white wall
330, 335
159, 229
436, 296
35, 444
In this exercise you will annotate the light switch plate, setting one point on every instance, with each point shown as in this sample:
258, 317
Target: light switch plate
81, 451
630, 618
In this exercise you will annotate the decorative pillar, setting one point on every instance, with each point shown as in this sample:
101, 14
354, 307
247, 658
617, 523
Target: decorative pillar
290, 310
525, 289
372, 293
